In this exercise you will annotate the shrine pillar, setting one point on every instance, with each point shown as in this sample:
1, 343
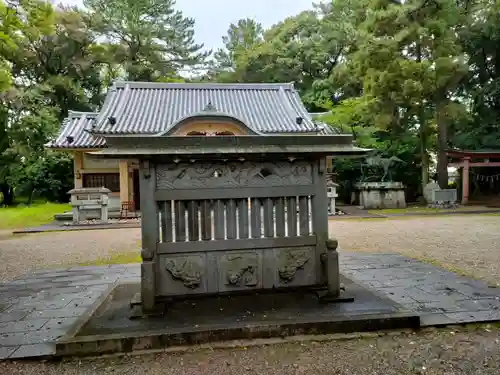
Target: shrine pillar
465, 180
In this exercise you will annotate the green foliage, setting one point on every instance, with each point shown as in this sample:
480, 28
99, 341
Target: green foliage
148, 39
50, 177
56, 59
240, 38
408, 79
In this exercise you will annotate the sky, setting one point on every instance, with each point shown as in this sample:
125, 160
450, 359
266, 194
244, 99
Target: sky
214, 16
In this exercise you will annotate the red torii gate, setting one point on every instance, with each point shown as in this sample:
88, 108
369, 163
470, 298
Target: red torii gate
468, 159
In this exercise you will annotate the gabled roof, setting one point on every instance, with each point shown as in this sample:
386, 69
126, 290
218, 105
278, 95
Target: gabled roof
155, 108
151, 107
74, 132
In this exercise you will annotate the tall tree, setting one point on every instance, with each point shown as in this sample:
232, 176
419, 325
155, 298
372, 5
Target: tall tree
61, 55
241, 37
302, 49
149, 39
55, 70
481, 90
411, 64
9, 25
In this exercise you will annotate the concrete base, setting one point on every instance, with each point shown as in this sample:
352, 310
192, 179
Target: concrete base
115, 330
94, 215
379, 195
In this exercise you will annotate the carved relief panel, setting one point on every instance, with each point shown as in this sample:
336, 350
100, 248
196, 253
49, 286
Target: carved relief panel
233, 174
223, 271
182, 274
295, 266
239, 270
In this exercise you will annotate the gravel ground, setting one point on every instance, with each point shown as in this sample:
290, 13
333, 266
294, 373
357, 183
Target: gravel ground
466, 243
20, 255
463, 243
435, 352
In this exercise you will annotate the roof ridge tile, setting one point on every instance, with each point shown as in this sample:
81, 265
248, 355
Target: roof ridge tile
201, 85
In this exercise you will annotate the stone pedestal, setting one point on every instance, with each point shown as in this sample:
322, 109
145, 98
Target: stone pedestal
373, 195
87, 202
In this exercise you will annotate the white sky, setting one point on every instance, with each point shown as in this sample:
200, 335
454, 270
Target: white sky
214, 16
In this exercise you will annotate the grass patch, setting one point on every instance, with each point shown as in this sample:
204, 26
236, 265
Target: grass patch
453, 269
30, 216
410, 210
423, 209
119, 258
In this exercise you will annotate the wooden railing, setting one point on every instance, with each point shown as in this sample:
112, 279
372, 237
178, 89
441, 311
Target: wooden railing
222, 224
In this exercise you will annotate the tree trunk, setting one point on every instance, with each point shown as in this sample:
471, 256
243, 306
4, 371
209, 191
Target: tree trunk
442, 124
8, 194
424, 156
30, 197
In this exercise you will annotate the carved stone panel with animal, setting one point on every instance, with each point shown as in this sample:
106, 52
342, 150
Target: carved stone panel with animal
183, 274
239, 271
219, 174
295, 267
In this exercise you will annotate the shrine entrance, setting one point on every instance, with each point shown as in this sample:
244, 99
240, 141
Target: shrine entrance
480, 174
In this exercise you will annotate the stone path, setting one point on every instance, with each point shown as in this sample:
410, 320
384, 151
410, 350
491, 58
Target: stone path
39, 309
441, 297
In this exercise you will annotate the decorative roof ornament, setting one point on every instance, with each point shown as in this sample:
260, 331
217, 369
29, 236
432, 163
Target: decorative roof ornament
209, 107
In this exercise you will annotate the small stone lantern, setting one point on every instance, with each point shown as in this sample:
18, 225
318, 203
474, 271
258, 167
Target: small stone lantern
331, 192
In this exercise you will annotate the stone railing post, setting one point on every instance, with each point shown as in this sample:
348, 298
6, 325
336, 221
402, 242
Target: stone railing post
331, 268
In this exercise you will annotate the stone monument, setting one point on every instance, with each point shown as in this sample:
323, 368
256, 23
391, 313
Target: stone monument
89, 202
200, 235
376, 190
429, 191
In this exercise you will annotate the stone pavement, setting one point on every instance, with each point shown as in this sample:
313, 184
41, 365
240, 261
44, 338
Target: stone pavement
61, 227
39, 309
439, 296
43, 307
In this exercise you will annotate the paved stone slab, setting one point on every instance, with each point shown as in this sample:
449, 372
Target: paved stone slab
441, 297
34, 350
42, 307
22, 326
58, 297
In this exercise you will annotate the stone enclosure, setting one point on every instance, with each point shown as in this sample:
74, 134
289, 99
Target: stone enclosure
239, 213
89, 202
380, 195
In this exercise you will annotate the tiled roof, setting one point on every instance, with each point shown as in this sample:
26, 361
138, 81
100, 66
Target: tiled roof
151, 108
324, 128
74, 134
327, 129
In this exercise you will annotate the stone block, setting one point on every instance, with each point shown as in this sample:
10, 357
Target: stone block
34, 350
13, 316
32, 337
379, 195
59, 313
22, 326
475, 316
6, 351
60, 323
104, 280
428, 320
